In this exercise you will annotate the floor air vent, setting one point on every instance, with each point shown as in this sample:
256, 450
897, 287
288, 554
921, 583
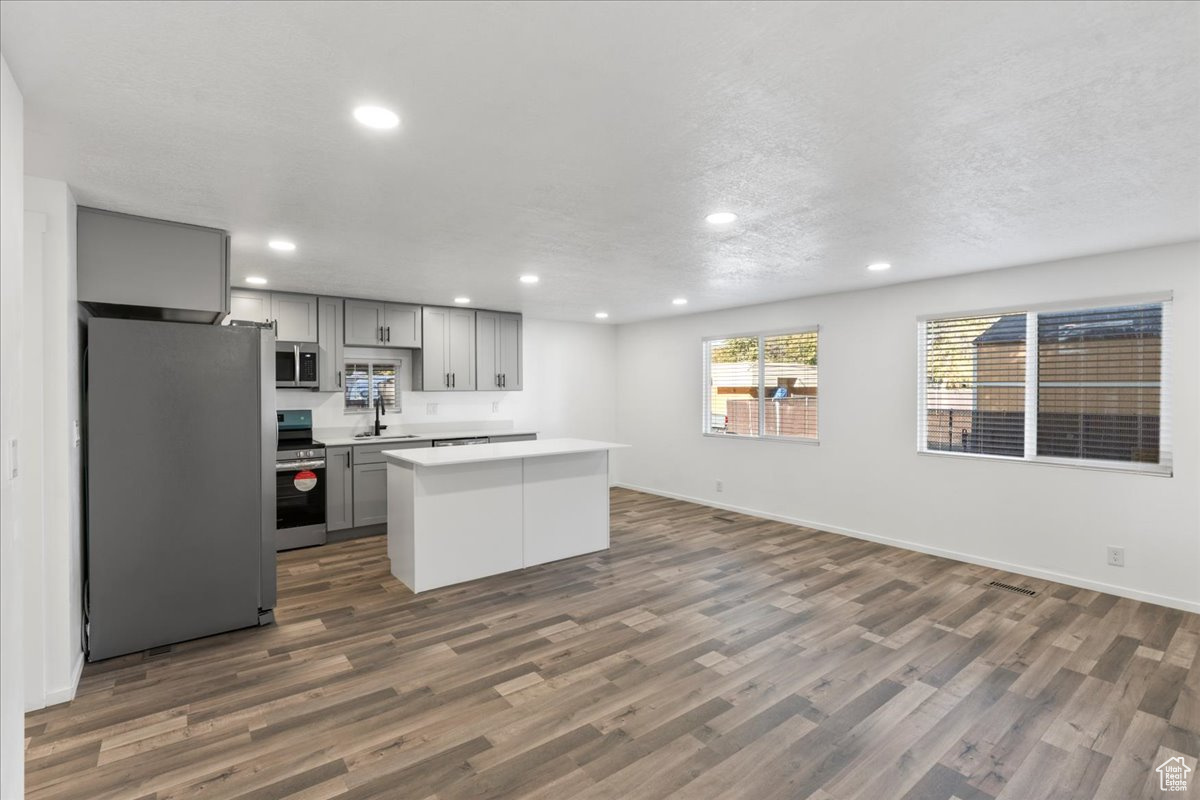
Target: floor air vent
1008, 587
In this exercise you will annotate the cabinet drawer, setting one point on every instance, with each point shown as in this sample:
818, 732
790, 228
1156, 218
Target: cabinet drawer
516, 437
373, 453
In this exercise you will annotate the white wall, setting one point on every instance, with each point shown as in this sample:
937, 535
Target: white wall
568, 390
53, 536
866, 478
12, 171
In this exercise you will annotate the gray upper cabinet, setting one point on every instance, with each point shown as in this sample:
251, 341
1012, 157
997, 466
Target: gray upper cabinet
498, 351
371, 324
151, 269
247, 305
331, 355
402, 325
295, 317
446, 361
364, 323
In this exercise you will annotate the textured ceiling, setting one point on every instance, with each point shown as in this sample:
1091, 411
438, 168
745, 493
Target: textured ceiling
586, 142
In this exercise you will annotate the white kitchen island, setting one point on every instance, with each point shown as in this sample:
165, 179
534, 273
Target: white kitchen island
460, 513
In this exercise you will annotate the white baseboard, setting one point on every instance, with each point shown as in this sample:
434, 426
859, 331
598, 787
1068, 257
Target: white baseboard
1020, 569
67, 693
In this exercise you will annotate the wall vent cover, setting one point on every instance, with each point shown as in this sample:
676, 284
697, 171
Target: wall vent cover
1008, 587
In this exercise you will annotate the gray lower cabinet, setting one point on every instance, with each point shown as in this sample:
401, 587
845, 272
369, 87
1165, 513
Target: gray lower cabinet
498, 351
370, 480
339, 489
330, 345
151, 269
515, 437
370, 494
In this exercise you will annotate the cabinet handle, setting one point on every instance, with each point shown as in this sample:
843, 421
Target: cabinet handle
347, 462
497, 378
339, 379
447, 380
381, 334
389, 334
452, 381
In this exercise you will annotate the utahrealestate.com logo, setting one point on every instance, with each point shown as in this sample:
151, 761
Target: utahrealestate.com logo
1173, 775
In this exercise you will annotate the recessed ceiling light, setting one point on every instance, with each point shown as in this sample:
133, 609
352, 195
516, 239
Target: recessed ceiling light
601, 315
679, 301
462, 300
282, 245
529, 279
720, 218
256, 280
376, 117
879, 266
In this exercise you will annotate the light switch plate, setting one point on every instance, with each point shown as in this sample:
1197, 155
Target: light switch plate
78, 433
10, 458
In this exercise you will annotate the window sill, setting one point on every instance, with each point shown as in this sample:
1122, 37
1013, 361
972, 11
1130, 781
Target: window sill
740, 438
1132, 468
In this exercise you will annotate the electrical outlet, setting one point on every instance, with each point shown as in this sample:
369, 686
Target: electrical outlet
1116, 556
431, 409
78, 434
495, 406
720, 486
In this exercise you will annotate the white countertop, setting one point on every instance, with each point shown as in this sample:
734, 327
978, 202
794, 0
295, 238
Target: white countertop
469, 454
341, 440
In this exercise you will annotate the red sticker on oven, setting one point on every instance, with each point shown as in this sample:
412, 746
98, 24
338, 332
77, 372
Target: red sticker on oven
305, 480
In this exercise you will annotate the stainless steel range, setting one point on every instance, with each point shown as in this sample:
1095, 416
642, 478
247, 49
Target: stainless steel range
299, 483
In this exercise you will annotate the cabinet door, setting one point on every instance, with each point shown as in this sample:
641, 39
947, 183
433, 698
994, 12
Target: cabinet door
460, 349
487, 341
370, 494
364, 323
508, 352
401, 325
295, 317
331, 358
246, 305
339, 489
435, 372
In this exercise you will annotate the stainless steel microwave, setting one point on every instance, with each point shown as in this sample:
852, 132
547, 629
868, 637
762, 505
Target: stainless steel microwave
295, 365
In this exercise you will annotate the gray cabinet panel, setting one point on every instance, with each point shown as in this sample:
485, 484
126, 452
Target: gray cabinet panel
339, 489
515, 437
151, 268
331, 352
401, 325
498, 351
247, 305
370, 494
460, 349
487, 367
430, 372
364, 323
295, 317
508, 350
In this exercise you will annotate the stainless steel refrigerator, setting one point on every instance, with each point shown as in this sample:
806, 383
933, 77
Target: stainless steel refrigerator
180, 482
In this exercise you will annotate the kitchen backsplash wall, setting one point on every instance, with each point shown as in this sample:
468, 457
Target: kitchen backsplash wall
568, 389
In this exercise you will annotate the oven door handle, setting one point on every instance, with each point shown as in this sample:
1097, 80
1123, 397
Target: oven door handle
312, 463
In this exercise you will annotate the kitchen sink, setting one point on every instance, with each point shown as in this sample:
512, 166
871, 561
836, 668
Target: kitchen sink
385, 436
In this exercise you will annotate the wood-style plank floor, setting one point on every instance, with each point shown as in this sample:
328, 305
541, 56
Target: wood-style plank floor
706, 655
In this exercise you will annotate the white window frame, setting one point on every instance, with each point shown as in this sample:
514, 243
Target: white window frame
1165, 467
371, 363
705, 382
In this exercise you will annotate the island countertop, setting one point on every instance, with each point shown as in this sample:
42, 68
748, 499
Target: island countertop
502, 451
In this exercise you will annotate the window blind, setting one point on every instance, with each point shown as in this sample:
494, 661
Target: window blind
1100, 383
975, 384
366, 380
1079, 386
